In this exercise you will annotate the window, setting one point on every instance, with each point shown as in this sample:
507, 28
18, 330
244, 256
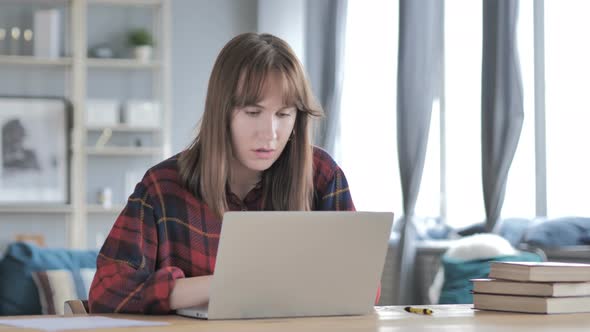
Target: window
463, 65
567, 71
463, 31
368, 135
369, 142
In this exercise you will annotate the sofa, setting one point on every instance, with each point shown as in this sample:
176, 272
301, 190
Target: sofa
36, 280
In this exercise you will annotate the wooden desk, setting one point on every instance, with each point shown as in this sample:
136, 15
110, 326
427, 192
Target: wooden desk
385, 319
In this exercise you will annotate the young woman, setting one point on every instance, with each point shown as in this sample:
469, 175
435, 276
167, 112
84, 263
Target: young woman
253, 152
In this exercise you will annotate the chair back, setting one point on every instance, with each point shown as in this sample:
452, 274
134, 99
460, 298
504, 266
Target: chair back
76, 307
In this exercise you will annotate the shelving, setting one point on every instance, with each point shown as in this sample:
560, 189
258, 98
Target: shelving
123, 128
34, 61
113, 156
122, 64
17, 208
123, 151
96, 209
126, 2
79, 78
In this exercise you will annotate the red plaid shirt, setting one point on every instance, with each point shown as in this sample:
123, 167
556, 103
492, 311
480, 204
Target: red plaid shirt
165, 233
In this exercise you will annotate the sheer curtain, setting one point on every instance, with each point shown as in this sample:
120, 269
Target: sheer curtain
325, 38
463, 54
520, 187
502, 103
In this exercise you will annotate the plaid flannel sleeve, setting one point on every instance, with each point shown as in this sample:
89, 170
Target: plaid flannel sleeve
126, 278
336, 196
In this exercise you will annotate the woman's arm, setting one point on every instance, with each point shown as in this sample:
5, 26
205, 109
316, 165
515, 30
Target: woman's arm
128, 278
335, 194
190, 292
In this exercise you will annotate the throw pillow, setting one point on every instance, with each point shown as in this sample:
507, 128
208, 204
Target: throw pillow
57, 286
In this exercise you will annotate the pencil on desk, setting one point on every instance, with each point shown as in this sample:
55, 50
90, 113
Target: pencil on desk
421, 311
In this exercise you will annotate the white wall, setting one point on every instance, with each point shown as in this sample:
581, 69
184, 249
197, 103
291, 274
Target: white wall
285, 19
200, 28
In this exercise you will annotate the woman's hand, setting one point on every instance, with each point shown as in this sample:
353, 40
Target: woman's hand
190, 292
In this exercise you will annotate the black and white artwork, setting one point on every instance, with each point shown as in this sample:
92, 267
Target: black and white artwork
33, 150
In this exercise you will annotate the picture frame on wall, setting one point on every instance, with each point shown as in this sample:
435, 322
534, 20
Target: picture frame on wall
34, 153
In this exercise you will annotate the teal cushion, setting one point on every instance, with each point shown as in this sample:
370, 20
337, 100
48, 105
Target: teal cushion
18, 293
457, 287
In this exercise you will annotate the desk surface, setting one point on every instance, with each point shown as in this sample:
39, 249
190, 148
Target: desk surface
385, 319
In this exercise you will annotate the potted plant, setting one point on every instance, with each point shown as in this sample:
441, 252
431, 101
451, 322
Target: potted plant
142, 42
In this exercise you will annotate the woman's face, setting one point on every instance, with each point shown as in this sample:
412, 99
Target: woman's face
260, 132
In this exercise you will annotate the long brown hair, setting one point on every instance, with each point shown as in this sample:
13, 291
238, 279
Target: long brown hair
237, 80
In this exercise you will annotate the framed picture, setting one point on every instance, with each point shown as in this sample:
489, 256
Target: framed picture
34, 150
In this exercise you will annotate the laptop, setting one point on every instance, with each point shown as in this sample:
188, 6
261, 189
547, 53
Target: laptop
296, 264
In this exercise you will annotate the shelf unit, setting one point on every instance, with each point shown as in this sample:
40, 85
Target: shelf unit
126, 2
122, 64
77, 67
122, 128
95, 208
123, 151
61, 208
34, 61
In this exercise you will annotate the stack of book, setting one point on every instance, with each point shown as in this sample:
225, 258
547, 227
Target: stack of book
534, 287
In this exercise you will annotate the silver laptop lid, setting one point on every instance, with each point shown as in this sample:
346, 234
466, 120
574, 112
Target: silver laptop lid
289, 264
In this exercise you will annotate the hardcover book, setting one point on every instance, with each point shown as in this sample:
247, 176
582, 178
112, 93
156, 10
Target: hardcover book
531, 304
553, 289
540, 271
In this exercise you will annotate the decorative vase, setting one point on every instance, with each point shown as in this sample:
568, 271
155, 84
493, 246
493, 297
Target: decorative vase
143, 53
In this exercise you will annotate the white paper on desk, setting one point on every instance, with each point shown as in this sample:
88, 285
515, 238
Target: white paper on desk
72, 323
